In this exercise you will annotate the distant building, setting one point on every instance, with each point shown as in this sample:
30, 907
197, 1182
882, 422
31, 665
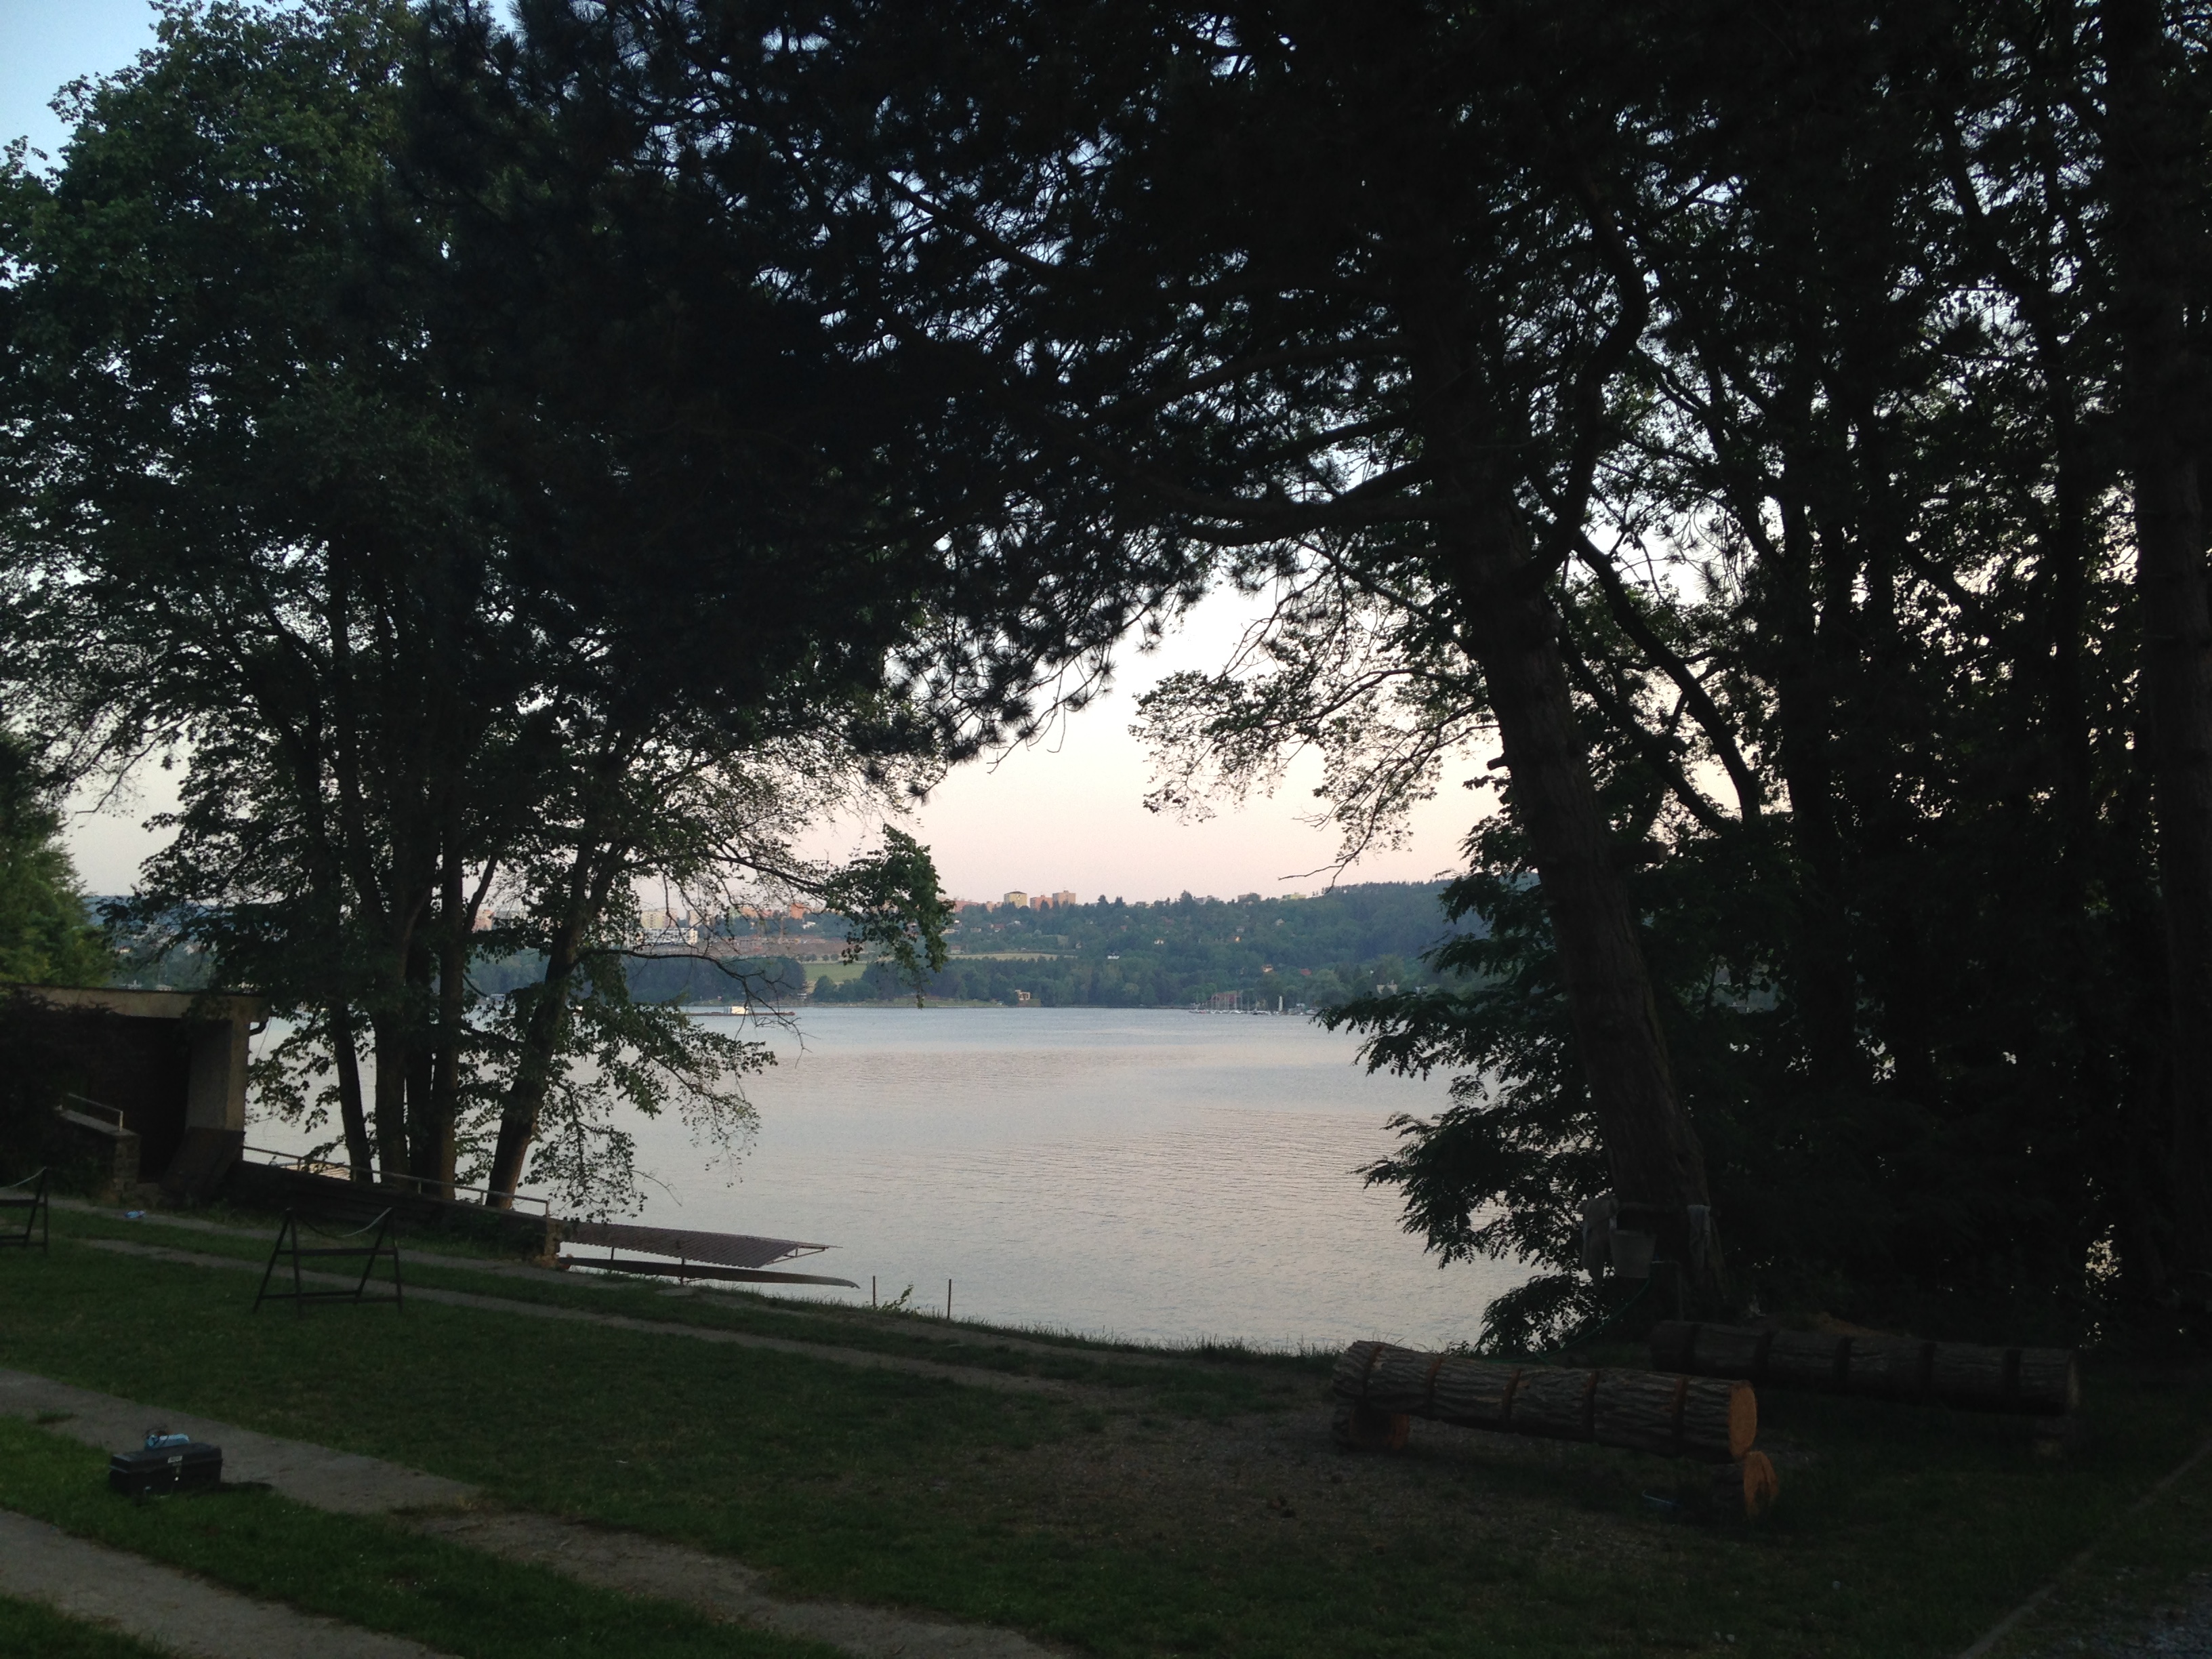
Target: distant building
1064, 899
1017, 901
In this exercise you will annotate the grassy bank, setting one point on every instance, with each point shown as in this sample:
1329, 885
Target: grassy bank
1164, 1505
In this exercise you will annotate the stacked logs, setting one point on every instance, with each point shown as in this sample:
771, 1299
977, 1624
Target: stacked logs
1379, 1389
2037, 1382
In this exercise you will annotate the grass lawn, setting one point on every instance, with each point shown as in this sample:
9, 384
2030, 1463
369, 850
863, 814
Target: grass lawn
1233, 1379
28, 1631
364, 1571
1184, 1508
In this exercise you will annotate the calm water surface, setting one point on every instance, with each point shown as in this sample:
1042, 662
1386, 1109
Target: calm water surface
1142, 1173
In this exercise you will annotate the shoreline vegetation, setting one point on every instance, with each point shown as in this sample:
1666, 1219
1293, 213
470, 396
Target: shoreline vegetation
1319, 951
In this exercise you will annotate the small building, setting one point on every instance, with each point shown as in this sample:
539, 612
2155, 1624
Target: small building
1018, 901
157, 1079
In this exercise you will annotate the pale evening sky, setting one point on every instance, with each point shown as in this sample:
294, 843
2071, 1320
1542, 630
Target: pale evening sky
1068, 812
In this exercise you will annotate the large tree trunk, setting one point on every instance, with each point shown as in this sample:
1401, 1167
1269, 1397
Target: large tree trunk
533, 1074
352, 1116
593, 869
390, 1031
421, 1068
454, 922
1649, 1145
2154, 158
1822, 957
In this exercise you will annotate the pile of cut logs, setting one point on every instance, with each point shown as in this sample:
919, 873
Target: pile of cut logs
1380, 1389
2032, 1382
1697, 1401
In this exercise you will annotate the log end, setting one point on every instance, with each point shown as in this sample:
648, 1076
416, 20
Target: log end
1358, 1427
1743, 1423
2057, 1437
1757, 1484
1349, 1379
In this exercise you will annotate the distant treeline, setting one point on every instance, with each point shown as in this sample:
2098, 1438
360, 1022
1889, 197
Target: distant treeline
1317, 952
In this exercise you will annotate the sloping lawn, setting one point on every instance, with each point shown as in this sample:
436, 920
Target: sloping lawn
1138, 1520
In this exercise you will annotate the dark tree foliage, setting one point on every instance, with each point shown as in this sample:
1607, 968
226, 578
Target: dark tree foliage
455, 597
1778, 426
47, 937
1244, 288
1918, 1012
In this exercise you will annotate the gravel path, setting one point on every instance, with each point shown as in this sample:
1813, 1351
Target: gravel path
2182, 1632
310, 1474
88, 1581
2189, 1630
2178, 1627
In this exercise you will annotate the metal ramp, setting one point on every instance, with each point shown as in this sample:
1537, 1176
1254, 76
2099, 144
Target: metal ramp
739, 1257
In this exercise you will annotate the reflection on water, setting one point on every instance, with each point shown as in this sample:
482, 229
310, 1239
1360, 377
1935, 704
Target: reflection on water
1146, 1173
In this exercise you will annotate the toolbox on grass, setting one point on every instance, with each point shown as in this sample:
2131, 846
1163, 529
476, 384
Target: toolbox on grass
167, 1462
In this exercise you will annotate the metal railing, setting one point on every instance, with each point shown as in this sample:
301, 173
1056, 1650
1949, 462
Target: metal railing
89, 1107
308, 1163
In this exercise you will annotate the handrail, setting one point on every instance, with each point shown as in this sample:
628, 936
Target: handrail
310, 1165
114, 1113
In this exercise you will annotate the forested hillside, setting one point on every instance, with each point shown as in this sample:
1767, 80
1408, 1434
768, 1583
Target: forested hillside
1318, 951
1314, 952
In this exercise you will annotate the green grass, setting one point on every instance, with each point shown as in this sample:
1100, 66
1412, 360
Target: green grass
1141, 1519
363, 1570
1208, 1381
28, 1631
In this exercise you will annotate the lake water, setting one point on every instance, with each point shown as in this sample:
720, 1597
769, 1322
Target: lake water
1143, 1172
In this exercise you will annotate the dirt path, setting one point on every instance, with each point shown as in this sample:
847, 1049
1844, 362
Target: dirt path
865, 1359
141, 1598
716, 1586
629, 1563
